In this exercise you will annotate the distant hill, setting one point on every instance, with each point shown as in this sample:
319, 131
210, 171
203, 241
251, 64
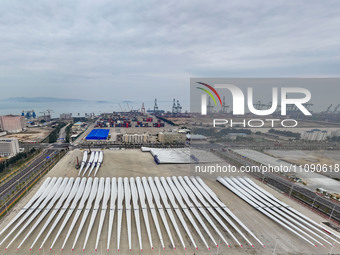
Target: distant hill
41, 99
127, 102
102, 102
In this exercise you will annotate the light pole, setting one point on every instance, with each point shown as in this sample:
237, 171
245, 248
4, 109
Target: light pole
264, 176
291, 190
330, 216
277, 240
314, 201
218, 248
330, 252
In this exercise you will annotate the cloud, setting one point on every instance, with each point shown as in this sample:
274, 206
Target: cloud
94, 49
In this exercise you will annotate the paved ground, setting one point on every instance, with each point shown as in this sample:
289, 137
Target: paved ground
314, 180
136, 163
328, 157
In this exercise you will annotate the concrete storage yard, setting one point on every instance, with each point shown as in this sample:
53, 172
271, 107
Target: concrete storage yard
133, 163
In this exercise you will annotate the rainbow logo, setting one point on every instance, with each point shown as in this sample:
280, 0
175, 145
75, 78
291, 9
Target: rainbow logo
209, 93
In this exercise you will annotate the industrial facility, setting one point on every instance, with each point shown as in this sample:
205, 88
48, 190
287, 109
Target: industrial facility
12, 123
103, 205
136, 138
98, 134
66, 116
9, 147
137, 182
29, 114
170, 127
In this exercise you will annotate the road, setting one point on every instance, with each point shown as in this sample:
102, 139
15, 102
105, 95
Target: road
8, 187
29, 182
62, 135
85, 133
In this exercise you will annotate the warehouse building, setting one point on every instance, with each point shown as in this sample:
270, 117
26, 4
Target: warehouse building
170, 137
98, 134
136, 138
192, 137
66, 116
12, 123
9, 147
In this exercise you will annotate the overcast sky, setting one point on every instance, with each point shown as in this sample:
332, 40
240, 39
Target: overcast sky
128, 50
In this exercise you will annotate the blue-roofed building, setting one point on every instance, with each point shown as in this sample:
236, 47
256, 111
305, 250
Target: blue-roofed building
98, 134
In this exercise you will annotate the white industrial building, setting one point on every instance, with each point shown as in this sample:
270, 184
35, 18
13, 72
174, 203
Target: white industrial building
9, 147
135, 138
66, 116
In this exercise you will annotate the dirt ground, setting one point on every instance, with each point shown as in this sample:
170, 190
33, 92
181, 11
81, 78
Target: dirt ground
180, 121
132, 163
34, 134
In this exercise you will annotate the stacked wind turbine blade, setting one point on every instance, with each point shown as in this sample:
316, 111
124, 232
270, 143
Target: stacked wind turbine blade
95, 161
100, 162
36, 207
141, 194
85, 195
83, 162
28, 205
62, 192
88, 207
99, 196
63, 209
114, 191
77, 197
119, 210
89, 163
185, 203
104, 208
